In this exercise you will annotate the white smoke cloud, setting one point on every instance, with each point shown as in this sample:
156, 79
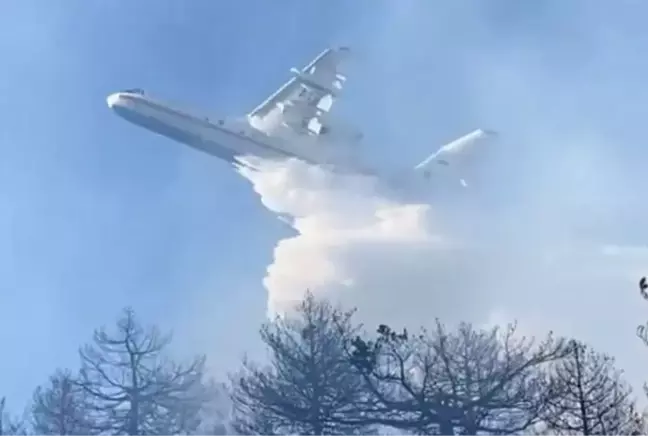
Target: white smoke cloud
393, 260
544, 233
406, 264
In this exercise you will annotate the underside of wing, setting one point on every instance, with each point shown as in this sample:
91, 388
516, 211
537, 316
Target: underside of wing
302, 104
451, 155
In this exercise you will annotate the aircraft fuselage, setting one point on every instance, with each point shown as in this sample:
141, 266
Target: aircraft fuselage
236, 140
225, 139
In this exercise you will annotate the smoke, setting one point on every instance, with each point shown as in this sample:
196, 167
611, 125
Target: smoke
395, 261
353, 243
408, 263
549, 230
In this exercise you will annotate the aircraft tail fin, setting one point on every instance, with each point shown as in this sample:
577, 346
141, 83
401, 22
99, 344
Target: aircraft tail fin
449, 154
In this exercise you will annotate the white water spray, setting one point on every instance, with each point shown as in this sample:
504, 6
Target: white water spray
352, 243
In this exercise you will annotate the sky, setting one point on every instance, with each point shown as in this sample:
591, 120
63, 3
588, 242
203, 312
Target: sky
99, 214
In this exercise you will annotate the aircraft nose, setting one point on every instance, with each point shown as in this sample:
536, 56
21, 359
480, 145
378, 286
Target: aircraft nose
113, 100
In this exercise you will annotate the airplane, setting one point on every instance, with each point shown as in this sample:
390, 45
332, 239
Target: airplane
294, 122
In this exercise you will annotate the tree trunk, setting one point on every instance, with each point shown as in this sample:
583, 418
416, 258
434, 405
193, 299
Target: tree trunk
446, 427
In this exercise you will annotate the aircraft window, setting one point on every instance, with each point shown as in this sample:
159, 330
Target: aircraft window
134, 91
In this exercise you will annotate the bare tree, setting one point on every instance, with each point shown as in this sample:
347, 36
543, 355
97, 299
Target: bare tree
10, 425
134, 388
468, 382
261, 422
61, 407
309, 387
215, 415
592, 399
642, 333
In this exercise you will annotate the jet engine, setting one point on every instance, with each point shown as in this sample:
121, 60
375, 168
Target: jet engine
339, 131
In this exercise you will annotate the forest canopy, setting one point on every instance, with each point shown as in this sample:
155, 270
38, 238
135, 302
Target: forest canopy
327, 374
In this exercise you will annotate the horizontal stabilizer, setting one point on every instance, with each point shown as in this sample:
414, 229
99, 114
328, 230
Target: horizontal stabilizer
448, 154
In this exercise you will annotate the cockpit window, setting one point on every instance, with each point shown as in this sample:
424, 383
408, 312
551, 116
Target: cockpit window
134, 91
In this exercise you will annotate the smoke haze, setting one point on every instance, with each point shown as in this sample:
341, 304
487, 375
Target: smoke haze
547, 231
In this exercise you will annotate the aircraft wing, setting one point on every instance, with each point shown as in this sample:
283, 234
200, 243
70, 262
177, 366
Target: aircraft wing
303, 102
450, 154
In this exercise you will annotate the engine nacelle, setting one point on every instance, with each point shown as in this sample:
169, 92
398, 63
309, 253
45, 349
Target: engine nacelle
342, 133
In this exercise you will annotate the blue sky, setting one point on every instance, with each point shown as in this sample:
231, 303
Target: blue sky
99, 214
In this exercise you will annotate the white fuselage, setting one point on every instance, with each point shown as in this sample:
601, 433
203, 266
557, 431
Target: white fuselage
229, 140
